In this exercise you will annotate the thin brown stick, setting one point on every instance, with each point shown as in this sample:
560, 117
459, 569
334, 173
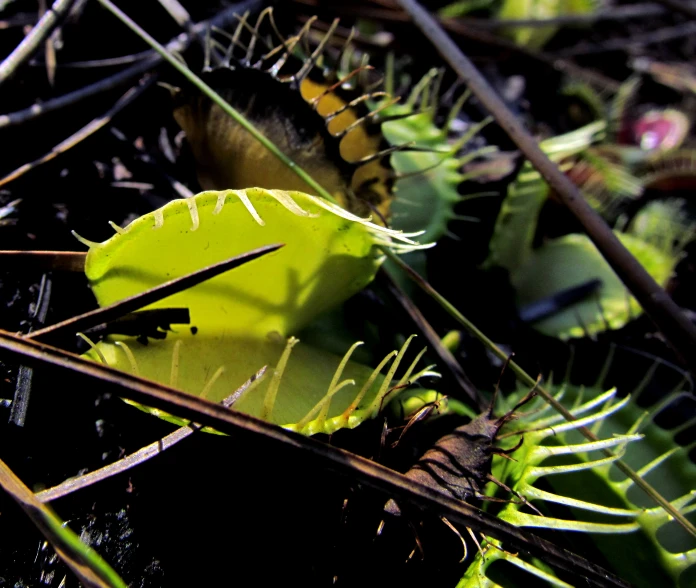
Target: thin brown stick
122, 307
62, 261
140, 456
264, 436
49, 49
25, 375
668, 317
445, 355
84, 132
41, 108
97, 63
33, 40
177, 44
177, 12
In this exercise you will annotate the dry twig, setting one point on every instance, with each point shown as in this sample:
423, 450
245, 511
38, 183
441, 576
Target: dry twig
177, 44
31, 42
86, 131
142, 455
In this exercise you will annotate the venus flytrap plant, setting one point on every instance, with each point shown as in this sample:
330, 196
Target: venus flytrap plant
517, 221
319, 413
655, 497
307, 109
240, 320
530, 458
568, 261
618, 518
427, 181
335, 125
649, 147
330, 260
536, 37
572, 260
663, 170
478, 574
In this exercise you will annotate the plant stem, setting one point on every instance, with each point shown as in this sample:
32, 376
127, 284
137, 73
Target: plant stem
86, 563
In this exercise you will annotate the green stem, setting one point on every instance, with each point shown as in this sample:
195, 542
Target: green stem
68, 540
530, 382
217, 99
84, 561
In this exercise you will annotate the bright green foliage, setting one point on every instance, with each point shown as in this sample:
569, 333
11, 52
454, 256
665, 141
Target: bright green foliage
536, 37
572, 260
427, 181
666, 551
664, 223
516, 224
242, 318
645, 548
478, 574
309, 390
463, 7
606, 184
416, 403
327, 258
545, 438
